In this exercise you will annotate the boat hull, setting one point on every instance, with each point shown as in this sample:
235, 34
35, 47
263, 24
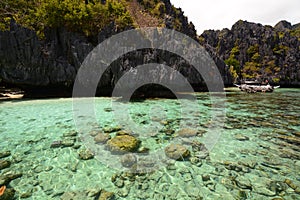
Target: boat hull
256, 88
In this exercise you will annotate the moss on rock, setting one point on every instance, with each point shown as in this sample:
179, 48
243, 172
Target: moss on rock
123, 144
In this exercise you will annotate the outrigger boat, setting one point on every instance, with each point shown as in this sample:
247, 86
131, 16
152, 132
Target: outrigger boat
254, 86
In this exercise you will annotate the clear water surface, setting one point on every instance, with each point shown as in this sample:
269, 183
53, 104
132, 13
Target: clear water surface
256, 157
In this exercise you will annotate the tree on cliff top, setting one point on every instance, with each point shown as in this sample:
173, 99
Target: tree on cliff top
75, 15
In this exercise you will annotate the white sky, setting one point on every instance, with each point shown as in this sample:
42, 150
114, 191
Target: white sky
219, 14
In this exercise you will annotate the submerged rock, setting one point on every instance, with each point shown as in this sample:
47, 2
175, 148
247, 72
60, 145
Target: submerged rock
277, 186
123, 144
6, 178
70, 134
186, 132
232, 166
123, 192
242, 194
4, 164
128, 160
68, 142
143, 150
290, 139
90, 194
243, 182
112, 129
290, 184
105, 195
26, 194
205, 177
241, 137
193, 191
248, 163
177, 152
264, 191
86, 154
56, 144
123, 132
8, 194
4, 154
196, 161
74, 196
68, 196
202, 154
119, 183
101, 138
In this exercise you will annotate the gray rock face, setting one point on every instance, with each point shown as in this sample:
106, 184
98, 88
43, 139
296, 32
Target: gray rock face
262, 51
51, 64
30, 62
283, 25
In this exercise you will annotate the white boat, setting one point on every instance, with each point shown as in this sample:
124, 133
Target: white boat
254, 86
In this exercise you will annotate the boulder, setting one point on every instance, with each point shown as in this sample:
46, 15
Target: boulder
241, 137
105, 195
128, 160
4, 164
123, 132
101, 138
70, 134
187, 132
177, 152
6, 178
112, 129
68, 142
56, 144
85, 154
8, 194
89, 194
123, 144
4, 154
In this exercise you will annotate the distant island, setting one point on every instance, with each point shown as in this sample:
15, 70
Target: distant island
254, 51
43, 44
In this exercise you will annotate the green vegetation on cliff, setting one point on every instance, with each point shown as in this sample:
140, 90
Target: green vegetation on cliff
89, 17
254, 51
75, 15
53, 59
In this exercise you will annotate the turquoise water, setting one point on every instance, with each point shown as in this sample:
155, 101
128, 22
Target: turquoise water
257, 155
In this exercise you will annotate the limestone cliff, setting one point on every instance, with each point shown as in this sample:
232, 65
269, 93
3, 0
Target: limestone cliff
255, 51
48, 66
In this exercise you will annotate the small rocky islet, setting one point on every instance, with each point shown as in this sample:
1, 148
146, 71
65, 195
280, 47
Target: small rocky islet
253, 159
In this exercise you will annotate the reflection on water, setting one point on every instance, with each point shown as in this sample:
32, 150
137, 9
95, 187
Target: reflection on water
257, 156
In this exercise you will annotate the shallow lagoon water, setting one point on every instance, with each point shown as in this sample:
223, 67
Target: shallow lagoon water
256, 157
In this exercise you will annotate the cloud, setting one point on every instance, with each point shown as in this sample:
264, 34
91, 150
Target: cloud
218, 14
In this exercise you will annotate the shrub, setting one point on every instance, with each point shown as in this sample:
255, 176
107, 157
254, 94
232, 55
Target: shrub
296, 32
281, 35
233, 72
255, 57
159, 9
75, 15
252, 50
235, 50
276, 79
280, 49
231, 61
251, 70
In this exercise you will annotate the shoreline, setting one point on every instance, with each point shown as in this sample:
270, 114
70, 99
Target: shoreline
15, 93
